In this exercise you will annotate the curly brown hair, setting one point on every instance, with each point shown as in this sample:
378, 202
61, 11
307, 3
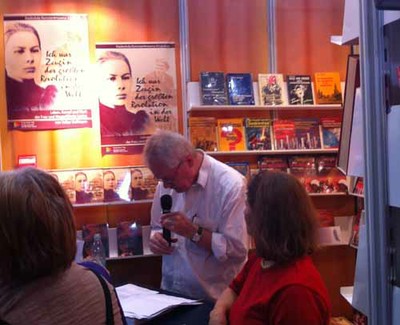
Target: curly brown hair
281, 217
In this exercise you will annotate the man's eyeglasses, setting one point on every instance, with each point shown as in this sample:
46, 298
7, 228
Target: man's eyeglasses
171, 180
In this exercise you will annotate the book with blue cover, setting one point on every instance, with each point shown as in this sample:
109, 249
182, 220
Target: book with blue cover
240, 88
213, 89
258, 133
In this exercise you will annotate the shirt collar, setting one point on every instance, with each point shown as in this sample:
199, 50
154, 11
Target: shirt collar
204, 171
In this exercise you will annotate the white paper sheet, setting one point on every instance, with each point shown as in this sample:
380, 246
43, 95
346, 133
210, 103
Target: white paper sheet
138, 302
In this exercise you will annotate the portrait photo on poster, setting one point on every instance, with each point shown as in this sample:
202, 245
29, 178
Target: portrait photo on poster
136, 93
46, 65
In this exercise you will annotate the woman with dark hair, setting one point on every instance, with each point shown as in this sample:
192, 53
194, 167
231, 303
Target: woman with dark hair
39, 281
279, 284
109, 185
23, 54
116, 88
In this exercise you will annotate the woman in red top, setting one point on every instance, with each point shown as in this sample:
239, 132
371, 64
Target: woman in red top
279, 284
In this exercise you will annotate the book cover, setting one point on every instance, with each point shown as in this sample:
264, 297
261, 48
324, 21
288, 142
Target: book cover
331, 179
213, 89
66, 178
242, 167
202, 133
258, 133
116, 184
129, 239
240, 89
303, 167
299, 89
307, 133
327, 88
142, 183
88, 232
271, 89
284, 134
89, 186
273, 164
231, 136
330, 132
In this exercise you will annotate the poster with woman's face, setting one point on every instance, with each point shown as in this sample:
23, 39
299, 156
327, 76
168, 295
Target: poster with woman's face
137, 92
46, 71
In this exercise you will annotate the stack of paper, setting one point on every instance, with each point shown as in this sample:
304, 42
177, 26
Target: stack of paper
142, 303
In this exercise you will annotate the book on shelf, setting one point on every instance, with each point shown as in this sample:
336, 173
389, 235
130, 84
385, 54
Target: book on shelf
143, 183
240, 88
284, 135
89, 186
213, 88
231, 134
307, 133
88, 232
330, 132
258, 133
129, 239
331, 179
202, 133
243, 167
273, 164
116, 183
299, 88
303, 167
271, 89
327, 88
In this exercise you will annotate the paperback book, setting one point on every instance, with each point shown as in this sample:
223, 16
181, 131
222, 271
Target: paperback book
331, 179
299, 89
271, 89
88, 232
273, 164
330, 132
129, 239
213, 89
284, 134
231, 136
142, 184
307, 133
327, 88
202, 133
303, 167
258, 133
240, 89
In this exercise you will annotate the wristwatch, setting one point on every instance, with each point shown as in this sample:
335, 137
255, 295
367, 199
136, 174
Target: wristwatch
197, 235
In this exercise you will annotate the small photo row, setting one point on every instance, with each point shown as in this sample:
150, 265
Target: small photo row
90, 186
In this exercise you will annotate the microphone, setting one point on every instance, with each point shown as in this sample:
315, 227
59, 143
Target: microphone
166, 204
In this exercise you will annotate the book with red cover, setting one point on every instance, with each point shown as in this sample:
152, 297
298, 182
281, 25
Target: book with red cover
273, 164
284, 134
303, 167
307, 133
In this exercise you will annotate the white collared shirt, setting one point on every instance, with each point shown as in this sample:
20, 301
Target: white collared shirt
216, 202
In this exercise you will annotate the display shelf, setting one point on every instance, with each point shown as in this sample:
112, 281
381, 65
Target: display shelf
194, 103
272, 152
116, 203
